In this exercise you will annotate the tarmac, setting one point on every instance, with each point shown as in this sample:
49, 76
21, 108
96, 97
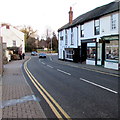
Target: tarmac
17, 99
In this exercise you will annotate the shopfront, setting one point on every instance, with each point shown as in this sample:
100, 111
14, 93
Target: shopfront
111, 52
89, 51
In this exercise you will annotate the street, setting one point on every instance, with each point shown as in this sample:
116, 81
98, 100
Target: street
70, 92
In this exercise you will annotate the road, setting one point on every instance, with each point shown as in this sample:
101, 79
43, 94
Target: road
74, 92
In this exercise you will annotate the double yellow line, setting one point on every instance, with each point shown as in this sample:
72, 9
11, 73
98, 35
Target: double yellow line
48, 98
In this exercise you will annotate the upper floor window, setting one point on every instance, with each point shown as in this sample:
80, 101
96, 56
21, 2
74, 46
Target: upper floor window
61, 36
66, 38
82, 31
113, 22
97, 27
71, 36
14, 43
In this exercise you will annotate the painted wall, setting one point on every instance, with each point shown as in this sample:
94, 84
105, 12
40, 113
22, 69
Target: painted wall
12, 34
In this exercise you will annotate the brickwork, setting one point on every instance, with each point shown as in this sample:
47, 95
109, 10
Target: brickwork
15, 87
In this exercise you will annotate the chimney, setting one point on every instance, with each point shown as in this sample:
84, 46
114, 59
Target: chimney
70, 16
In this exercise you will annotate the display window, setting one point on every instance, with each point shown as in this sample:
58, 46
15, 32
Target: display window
112, 50
91, 50
69, 54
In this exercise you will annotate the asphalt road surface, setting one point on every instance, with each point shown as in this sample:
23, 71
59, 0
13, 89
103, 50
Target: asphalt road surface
78, 92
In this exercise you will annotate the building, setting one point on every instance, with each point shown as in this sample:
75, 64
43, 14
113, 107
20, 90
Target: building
92, 38
13, 39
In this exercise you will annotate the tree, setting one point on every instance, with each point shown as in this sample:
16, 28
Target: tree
30, 35
54, 42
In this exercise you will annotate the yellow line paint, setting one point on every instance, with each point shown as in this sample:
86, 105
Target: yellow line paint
50, 97
91, 70
44, 96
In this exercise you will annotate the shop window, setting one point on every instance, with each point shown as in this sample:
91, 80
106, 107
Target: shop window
69, 54
97, 27
112, 50
91, 51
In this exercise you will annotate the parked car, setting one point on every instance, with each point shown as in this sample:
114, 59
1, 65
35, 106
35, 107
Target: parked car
42, 55
34, 53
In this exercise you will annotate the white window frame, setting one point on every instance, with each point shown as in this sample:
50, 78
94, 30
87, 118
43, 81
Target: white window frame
14, 43
72, 39
113, 22
66, 37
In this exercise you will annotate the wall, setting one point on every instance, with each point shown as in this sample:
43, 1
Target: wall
13, 34
1, 56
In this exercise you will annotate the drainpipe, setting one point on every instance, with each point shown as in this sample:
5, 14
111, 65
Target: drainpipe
119, 34
1, 56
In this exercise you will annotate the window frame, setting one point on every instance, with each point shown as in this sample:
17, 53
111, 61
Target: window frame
82, 30
113, 22
97, 27
72, 37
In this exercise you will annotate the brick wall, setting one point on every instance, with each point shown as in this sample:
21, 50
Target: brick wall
1, 56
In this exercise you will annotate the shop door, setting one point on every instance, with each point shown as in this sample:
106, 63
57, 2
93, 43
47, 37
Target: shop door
83, 51
103, 53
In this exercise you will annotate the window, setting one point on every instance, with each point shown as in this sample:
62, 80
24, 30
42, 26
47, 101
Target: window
82, 31
61, 36
69, 54
66, 38
14, 43
97, 27
113, 22
71, 36
91, 50
112, 50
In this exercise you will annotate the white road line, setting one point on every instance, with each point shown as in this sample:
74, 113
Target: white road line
43, 63
99, 86
49, 66
50, 58
63, 72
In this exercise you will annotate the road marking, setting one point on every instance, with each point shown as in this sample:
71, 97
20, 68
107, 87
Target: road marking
63, 72
49, 66
46, 95
50, 58
43, 63
106, 73
99, 86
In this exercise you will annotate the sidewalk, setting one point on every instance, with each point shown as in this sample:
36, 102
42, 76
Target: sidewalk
89, 67
18, 100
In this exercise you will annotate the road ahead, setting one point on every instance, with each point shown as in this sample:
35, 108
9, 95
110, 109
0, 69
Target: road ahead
79, 92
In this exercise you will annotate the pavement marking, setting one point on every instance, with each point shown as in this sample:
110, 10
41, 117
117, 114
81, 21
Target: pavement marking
63, 72
99, 86
115, 75
98, 71
49, 66
50, 59
43, 63
46, 95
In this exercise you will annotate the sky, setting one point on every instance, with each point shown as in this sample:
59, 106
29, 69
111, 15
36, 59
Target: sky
44, 14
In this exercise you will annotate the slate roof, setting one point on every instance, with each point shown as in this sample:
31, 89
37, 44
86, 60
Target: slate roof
93, 14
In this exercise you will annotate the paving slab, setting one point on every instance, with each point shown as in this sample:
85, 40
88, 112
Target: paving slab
17, 101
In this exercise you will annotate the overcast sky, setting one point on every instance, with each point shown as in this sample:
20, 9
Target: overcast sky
43, 14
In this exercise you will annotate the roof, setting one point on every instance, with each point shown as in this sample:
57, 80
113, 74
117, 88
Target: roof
93, 14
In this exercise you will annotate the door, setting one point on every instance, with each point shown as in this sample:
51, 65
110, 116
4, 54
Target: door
83, 52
